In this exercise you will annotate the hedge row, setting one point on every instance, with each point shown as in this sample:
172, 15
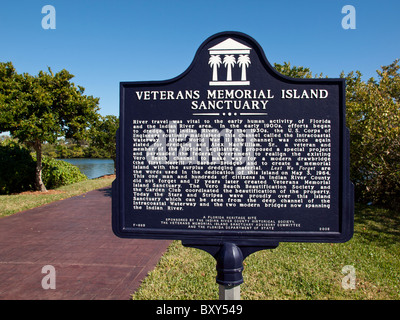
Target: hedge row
17, 170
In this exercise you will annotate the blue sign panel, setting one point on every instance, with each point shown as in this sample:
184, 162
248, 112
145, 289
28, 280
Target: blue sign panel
231, 150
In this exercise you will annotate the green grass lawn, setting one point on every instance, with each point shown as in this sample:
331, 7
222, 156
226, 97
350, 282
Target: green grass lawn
293, 270
10, 204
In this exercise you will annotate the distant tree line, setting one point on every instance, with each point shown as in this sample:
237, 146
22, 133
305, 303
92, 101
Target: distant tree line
99, 144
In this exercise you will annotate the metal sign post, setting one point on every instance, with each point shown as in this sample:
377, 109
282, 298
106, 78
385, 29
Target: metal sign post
229, 263
229, 271
229, 293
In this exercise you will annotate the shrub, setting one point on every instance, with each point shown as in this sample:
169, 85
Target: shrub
373, 117
57, 173
17, 169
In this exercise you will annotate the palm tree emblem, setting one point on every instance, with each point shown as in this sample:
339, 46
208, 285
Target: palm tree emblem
234, 52
244, 62
229, 62
214, 62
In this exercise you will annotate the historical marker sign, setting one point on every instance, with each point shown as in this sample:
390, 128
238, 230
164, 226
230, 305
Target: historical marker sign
232, 151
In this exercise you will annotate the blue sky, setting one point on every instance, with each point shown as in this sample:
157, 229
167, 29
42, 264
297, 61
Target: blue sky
105, 42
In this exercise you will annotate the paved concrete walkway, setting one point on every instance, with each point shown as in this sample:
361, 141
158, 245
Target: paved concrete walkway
75, 237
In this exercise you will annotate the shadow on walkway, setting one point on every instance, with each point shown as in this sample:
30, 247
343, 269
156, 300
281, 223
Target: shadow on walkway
107, 192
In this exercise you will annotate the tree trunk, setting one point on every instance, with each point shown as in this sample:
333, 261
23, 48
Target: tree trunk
215, 73
229, 73
244, 78
38, 172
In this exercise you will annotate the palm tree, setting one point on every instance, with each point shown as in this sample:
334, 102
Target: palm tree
215, 62
229, 62
244, 62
